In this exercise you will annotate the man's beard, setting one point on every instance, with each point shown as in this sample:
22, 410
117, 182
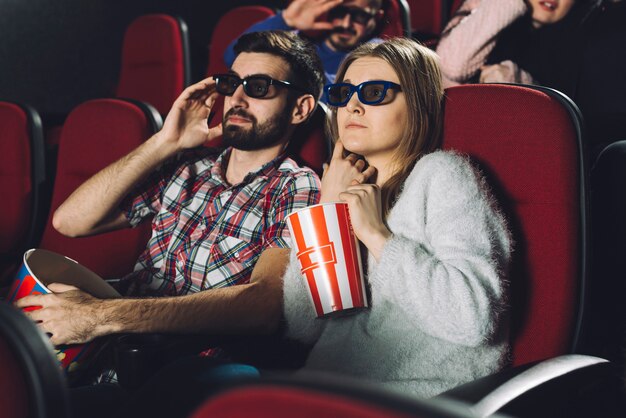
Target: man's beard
338, 44
258, 136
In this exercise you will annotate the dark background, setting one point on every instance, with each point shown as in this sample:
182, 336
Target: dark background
55, 54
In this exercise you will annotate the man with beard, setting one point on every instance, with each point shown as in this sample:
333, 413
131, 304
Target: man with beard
339, 26
219, 239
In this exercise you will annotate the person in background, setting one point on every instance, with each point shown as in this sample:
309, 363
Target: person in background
438, 247
339, 27
574, 46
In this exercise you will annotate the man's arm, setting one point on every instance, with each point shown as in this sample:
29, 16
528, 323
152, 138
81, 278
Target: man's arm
94, 207
72, 316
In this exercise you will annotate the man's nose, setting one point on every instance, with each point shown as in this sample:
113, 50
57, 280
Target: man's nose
345, 22
239, 97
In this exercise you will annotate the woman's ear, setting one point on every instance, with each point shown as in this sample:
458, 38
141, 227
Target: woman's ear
303, 108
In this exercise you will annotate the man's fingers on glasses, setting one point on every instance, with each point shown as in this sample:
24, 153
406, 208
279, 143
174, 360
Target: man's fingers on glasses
210, 101
322, 26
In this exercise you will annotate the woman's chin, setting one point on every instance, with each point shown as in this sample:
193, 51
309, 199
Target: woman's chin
353, 145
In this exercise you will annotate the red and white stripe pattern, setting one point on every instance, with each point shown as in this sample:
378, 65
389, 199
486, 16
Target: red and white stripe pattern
329, 257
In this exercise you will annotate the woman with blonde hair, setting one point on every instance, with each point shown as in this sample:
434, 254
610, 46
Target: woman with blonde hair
438, 249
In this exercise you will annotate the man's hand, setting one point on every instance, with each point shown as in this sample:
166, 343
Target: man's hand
186, 124
305, 14
342, 173
69, 315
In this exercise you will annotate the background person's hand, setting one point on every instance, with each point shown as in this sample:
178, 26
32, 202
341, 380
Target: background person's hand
69, 315
305, 14
366, 216
504, 72
186, 124
342, 173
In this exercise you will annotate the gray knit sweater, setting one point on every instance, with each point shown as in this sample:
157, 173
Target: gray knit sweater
436, 318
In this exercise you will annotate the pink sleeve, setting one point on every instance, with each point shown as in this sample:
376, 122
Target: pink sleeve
471, 35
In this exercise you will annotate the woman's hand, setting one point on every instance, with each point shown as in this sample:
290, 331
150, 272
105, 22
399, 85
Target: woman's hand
364, 205
504, 72
342, 173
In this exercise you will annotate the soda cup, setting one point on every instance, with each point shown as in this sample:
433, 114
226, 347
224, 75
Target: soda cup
40, 268
329, 256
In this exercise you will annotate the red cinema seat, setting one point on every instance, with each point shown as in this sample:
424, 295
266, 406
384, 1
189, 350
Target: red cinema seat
396, 20
455, 6
22, 181
96, 134
309, 145
31, 382
155, 61
428, 17
527, 140
313, 395
228, 28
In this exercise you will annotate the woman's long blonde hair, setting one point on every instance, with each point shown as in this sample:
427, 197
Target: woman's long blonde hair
418, 69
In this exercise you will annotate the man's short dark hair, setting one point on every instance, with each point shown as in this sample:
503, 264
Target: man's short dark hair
306, 69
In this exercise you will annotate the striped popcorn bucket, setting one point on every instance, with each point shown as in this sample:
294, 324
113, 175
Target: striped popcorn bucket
41, 267
329, 257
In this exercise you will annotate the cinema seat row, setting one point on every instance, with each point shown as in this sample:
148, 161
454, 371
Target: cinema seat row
528, 142
566, 280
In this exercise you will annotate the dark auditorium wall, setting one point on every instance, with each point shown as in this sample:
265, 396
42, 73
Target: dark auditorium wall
55, 54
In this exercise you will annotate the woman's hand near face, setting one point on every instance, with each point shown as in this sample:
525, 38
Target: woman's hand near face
365, 209
342, 173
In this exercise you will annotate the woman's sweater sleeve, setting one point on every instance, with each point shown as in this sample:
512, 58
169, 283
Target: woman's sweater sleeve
471, 35
450, 285
301, 322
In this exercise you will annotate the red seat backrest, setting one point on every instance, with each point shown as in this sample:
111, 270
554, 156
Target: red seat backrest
455, 6
15, 176
427, 16
155, 61
228, 28
294, 398
396, 20
13, 387
22, 176
31, 381
528, 143
95, 134
309, 145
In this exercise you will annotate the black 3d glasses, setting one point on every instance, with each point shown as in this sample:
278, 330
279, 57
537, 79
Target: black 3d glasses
357, 15
255, 86
369, 93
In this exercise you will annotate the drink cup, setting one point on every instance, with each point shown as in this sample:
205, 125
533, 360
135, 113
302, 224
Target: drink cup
40, 268
329, 257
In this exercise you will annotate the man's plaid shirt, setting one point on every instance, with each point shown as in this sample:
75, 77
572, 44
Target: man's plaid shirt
206, 233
